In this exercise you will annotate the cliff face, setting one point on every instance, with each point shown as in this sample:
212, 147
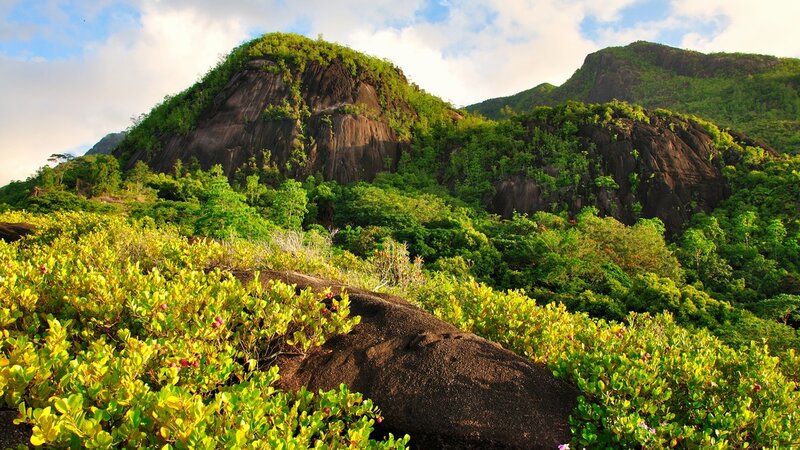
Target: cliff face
345, 136
667, 168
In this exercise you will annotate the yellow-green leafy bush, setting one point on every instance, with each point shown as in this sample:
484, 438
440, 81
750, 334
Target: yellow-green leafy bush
121, 335
647, 384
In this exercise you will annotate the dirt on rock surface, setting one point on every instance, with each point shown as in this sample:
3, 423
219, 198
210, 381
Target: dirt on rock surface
445, 388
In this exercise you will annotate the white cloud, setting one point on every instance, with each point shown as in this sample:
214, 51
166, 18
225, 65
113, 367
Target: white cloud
467, 59
55, 106
767, 26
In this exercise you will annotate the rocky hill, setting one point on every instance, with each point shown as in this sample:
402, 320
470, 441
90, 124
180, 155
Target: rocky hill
664, 167
107, 144
756, 94
302, 106
288, 104
626, 161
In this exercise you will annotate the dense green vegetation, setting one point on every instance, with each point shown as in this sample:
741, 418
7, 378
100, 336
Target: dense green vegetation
681, 342
734, 272
98, 311
754, 94
81, 336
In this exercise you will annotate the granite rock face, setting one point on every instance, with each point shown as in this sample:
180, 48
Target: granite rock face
668, 166
346, 136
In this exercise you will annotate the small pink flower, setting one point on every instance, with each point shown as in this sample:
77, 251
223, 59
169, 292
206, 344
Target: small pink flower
163, 306
43, 269
563, 447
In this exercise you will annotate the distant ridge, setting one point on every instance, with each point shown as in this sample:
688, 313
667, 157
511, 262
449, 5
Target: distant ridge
756, 94
106, 145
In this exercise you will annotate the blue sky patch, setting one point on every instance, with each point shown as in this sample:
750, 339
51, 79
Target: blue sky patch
51, 31
645, 11
434, 11
631, 16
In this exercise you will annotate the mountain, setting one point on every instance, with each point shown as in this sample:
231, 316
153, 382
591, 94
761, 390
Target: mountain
304, 107
307, 107
106, 145
755, 94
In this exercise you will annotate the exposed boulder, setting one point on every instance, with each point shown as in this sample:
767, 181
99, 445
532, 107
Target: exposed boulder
11, 232
444, 387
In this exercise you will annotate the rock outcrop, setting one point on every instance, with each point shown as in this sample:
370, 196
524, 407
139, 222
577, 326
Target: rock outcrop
445, 388
668, 167
346, 138
11, 232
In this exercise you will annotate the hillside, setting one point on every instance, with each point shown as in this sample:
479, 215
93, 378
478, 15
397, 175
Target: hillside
107, 144
755, 94
286, 101
261, 259
287, 106
626, 162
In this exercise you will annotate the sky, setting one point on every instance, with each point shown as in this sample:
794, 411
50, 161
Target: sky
73, 71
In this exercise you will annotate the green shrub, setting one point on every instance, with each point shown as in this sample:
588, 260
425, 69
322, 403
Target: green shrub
118, 335
646, 384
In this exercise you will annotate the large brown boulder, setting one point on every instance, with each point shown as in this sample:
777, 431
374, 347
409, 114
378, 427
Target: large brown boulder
443, 387
11, 232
